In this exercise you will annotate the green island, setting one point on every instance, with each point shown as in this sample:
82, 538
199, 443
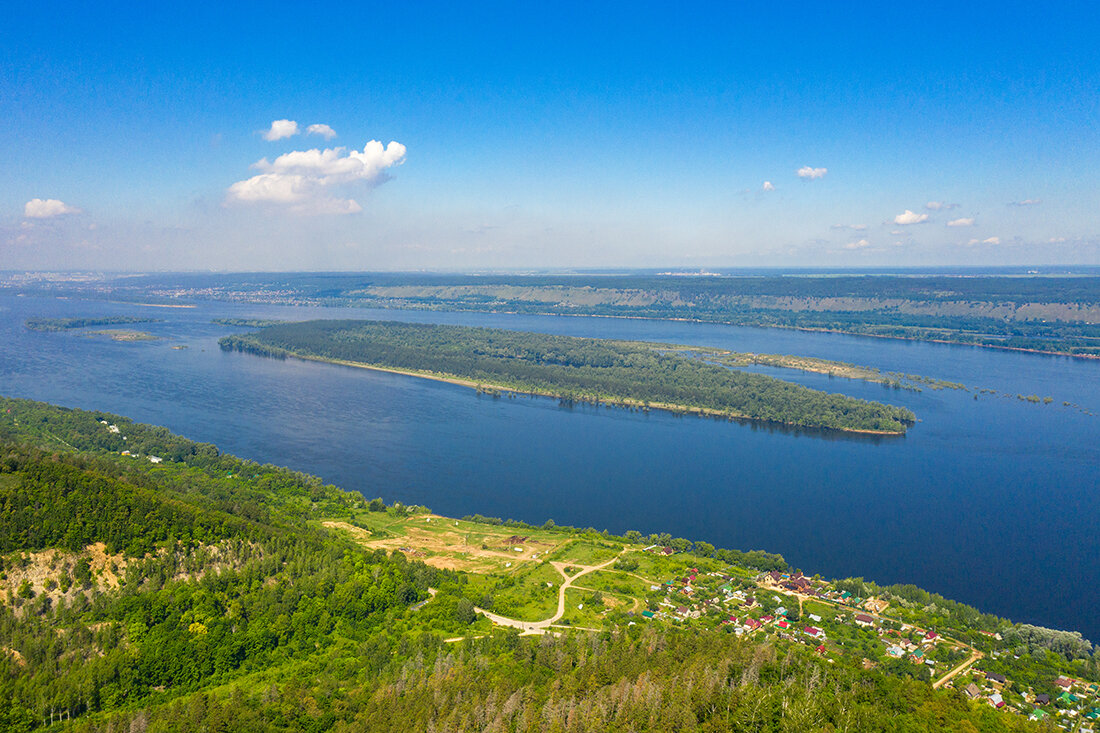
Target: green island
627, 373
66, 324
148, 582
121, 334
247, 322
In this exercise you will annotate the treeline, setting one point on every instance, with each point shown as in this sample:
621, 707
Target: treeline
63, 324
757, 559
640, 680
573, 369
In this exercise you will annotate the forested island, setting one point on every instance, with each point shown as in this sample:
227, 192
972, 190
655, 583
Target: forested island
635, 374
68, 324
148, 582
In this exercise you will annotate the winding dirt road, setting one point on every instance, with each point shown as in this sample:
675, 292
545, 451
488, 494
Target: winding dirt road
540, 627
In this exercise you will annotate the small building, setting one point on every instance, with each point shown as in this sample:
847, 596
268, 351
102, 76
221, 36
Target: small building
1064, 682
783, 625
863, 619
1037, 714
812, 631
1042, 699
752, 624
814, 617
972, 691
995, 678
931, 636
996, 700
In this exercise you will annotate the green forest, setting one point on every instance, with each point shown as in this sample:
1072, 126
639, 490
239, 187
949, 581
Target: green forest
572, 369
223, 604
67, 324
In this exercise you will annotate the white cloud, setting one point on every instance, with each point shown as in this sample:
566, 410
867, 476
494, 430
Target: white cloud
46, 208
990, 240
323, 130
961, 223
940, 206
302, 180
857, 245
1056, 240
281, 129
899, 233
910, 218
808, 173
767, 186
853, 227
1026, 202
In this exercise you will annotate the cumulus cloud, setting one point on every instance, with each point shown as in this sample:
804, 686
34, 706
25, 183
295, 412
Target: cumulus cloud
940, 206
989, 240
857, 245
964, 222
910, 218
808, 174
1026, 202
47, 208
323, 130
281, 129
767, 186
303, 180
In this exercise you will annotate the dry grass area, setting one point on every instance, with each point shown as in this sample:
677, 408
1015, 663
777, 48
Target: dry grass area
453, 544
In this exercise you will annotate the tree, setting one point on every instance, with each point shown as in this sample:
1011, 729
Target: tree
377, 505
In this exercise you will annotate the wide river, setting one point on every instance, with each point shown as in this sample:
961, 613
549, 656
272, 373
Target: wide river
993, 502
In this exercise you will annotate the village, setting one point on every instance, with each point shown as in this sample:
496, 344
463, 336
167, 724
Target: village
549, 579
812, 612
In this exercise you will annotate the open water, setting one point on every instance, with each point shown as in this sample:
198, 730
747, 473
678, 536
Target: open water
993, 502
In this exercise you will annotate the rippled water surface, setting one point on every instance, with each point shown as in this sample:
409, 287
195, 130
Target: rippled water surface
992, 502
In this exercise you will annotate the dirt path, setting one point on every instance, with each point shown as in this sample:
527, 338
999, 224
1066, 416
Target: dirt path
540, 627
957, 671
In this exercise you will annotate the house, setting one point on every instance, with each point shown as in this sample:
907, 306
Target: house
996, 700
1042, 699
863, 619
972, 691
931, 636
781, 611
783, 625
647, 614
997, 679
767, 619
1068, 697
896, 652
752, 624
1064, 682
812, 631
154, 459
667, 551
814, 617
1037, 714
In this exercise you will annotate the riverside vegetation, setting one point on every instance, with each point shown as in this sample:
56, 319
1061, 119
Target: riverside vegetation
570, 368
176, 588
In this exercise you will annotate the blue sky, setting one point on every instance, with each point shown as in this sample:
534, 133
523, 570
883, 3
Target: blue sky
555, 135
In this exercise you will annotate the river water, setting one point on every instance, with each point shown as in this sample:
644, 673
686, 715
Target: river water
993, 502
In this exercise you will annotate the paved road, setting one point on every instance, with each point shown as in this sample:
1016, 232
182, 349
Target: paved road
540, 627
